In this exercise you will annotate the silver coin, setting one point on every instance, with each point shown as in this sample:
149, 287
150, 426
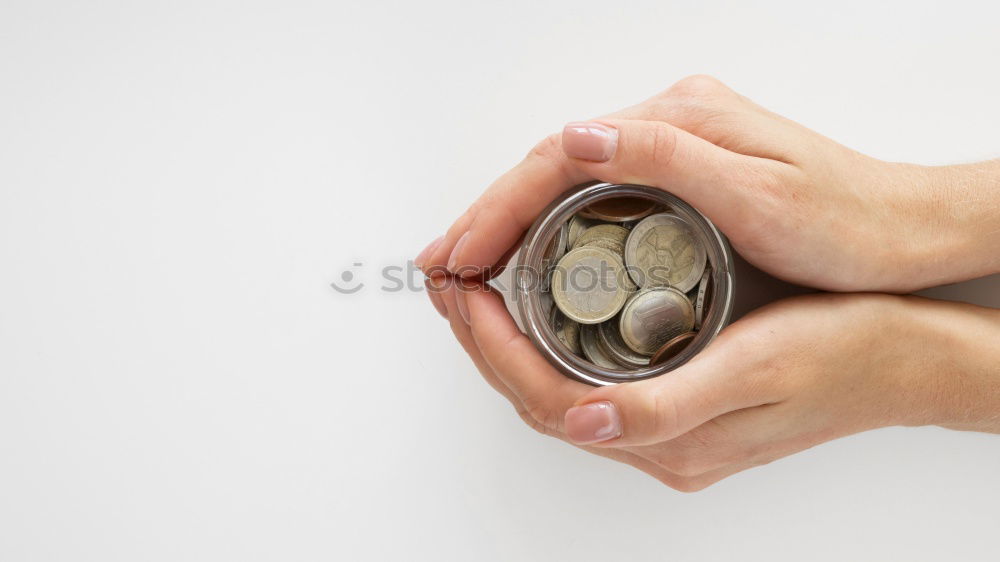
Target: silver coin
653, 316
592, 349
700, 300
589, 285
662, 251
610, 338
559, 244
608, 236
575, 228
547, 302
566, 330
553, 253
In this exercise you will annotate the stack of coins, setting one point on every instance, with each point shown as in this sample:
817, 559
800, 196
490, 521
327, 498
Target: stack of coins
629, 283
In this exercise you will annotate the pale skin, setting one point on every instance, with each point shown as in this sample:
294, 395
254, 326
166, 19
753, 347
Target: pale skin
790, 375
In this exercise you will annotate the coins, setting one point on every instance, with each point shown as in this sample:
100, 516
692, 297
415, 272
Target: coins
662, 252
619, 209
592, 350
575, 228
567, 331
670, 349
553, 252
608, 236
609, 337
654, 316
600, 258
702, 299
589, 285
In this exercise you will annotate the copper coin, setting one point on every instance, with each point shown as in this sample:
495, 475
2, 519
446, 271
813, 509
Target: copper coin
672, 348
619, 209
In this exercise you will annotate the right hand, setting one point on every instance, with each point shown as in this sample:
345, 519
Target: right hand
763, 390
792, 202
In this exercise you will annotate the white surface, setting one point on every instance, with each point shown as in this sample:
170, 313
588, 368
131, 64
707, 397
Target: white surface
180, 182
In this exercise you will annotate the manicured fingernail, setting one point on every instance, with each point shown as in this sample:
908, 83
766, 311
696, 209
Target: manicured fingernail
592, 423
426, 252
434, 286
461, 290
589, 141
453, 258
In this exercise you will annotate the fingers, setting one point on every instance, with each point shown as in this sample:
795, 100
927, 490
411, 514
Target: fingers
701, 107
663, 408
545, 393
691, 462
489, 228
720, 183
442, 289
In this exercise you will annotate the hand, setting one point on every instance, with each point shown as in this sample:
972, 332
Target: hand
785, 378
792, 202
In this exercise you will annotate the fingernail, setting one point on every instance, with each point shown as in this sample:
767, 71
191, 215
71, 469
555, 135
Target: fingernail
460, 302
453, 258
594, 422
589, 141
426, 252
434, 286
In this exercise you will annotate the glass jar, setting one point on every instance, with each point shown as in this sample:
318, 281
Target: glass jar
522, 280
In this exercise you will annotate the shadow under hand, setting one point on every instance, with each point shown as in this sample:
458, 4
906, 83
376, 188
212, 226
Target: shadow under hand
754, 288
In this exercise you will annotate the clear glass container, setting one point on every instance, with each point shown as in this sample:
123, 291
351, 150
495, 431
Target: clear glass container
521, 284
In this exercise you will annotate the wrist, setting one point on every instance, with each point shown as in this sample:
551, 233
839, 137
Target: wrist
952, 375
954, 223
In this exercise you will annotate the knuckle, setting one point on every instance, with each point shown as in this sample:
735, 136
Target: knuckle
685, 485
710, 446
698, 86
662, 142
542, 418
779, 189
531, 422
683, 462
548, 148
666, 412
697, 452
705, 437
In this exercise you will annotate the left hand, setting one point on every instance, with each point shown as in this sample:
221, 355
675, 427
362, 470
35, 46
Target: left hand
787, 377
792, 202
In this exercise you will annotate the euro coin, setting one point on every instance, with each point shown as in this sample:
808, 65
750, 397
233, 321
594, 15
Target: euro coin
673, 347
661, 251
654, 316
592, 350
619, 209
589, 285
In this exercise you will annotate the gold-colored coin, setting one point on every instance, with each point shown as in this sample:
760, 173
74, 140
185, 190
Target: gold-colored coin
662, 251
608, 236
575, 228
590, 285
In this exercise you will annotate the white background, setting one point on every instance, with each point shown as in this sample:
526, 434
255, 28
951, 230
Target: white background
181, 181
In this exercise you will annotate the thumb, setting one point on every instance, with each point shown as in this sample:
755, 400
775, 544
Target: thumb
662, 408
716, 181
